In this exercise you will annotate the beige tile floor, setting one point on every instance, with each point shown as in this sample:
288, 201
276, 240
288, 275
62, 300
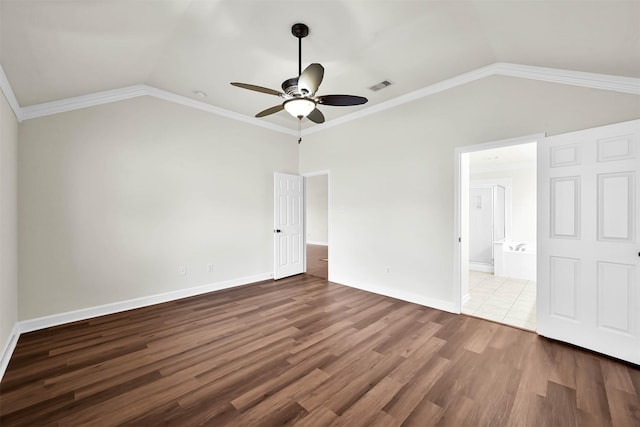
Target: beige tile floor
502, 299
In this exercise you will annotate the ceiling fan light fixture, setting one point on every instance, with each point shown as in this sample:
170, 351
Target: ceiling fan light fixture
299, 107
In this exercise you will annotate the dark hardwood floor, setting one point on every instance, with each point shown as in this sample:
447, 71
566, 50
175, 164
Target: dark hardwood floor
308, 352
318, 261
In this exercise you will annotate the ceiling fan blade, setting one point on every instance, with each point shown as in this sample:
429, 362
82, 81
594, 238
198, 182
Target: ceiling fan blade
341, 100
310, 79
316, 116
258, 88
271, 110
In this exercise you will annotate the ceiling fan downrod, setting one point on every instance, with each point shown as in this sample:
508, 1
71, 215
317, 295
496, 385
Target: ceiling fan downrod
300, 31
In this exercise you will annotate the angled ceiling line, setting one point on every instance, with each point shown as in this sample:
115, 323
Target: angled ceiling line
630, 85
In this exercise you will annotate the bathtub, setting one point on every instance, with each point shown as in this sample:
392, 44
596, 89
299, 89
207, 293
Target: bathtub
514, 259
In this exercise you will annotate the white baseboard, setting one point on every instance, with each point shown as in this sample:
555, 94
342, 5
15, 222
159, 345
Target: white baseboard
315, 242
479, 266
8, 349
439, 304
116, 307
102, 310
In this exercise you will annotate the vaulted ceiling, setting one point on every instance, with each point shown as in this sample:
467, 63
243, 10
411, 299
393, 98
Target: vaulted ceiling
52, 50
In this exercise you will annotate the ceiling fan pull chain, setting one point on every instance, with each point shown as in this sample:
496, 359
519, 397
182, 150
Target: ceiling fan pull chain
299, 131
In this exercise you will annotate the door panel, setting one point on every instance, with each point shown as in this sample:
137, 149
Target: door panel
565, 285
288, 225
615, 296
565, 207
616, 219
588, 242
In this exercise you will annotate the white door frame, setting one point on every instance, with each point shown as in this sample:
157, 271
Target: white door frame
305, 176
457, 217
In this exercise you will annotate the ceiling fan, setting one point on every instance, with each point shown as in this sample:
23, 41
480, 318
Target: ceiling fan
299, 93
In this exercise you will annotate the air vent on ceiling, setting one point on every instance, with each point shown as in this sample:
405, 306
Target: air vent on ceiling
380, 85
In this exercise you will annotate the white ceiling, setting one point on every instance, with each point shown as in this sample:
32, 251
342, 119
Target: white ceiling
51, 50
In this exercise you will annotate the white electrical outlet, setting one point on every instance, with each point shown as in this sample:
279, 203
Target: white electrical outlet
182, 271
388, 269
210, 267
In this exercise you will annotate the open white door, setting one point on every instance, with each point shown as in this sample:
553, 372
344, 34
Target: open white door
288, 230
589, 239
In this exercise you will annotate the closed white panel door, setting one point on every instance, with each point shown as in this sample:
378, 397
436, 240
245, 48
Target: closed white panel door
288, 230
588, 240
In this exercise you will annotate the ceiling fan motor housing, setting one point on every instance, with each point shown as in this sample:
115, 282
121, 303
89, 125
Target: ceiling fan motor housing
290, 87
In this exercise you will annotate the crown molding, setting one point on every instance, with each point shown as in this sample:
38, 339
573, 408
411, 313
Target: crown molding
568, 77
608, 82
84, 101
441, 86
203, 106
99, 98
9, 95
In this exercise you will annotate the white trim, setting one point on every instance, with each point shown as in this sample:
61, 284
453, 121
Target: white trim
569, 77
457, 229
317, 173
441, 86
318, 243
30, 325
412, 297
116, 307
554, 75
5, 356
480, 266
99, 98
84, 101
527, 139
5, 86
208, 108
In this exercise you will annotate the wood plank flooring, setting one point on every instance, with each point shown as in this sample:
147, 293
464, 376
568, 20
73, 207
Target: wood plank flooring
303, 351
317, 261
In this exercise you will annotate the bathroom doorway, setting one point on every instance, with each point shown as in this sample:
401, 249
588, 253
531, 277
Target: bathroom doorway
317, 224
496, 211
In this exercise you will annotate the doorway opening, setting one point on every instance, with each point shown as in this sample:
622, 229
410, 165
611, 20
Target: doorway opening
317, 224
496, 211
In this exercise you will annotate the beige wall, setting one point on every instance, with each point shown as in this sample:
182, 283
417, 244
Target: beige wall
392, 180
317, 210
114, 199
8, 222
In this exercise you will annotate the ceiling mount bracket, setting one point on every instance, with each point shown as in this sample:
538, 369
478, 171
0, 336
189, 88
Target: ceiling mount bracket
300, 30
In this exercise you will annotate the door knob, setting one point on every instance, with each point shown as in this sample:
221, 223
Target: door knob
278, 231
